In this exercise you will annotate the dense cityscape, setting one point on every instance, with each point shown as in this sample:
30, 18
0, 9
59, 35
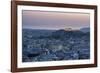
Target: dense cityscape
55, 45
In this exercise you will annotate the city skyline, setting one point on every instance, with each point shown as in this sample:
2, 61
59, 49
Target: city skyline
54, 20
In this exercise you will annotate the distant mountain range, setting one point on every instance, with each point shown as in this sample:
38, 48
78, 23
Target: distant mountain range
85, 29
67, 34
37, 32
56, 33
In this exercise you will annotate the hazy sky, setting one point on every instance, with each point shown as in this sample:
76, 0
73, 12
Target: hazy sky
54, 20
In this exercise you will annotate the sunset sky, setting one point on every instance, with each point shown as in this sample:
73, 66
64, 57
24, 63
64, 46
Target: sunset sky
54, 20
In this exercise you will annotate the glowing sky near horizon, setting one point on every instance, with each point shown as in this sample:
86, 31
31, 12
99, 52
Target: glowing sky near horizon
54, 20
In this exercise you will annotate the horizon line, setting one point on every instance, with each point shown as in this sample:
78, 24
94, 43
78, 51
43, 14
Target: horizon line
55, 29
